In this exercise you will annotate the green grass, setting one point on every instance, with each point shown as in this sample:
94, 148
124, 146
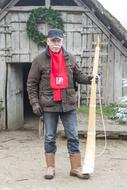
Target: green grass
107, 110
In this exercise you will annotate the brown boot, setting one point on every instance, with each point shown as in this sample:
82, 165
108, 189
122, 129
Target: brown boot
50, 161
75, 160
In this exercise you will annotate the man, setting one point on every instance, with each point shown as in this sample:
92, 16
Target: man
51, 92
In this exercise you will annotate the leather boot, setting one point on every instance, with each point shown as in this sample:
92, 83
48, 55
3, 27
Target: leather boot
76, 171
50, 161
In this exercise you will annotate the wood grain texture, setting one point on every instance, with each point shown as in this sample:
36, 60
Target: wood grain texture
89, 160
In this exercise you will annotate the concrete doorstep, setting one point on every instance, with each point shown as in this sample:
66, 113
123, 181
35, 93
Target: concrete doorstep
99, 134
113, 130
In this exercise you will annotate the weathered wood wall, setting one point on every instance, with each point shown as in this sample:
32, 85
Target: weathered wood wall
81, 31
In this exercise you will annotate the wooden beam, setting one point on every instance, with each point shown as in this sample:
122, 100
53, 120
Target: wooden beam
4, 11
58, 8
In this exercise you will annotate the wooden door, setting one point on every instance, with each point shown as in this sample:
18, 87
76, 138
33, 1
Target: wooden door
15, 116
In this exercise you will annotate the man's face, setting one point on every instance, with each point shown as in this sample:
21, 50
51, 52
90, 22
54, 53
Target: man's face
55, 44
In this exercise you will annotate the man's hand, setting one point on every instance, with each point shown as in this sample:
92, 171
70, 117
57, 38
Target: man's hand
37, 109
90, 77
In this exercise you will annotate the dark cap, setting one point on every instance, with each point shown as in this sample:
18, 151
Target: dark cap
55, 33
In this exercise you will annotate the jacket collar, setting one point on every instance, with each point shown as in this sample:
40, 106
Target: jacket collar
65, 53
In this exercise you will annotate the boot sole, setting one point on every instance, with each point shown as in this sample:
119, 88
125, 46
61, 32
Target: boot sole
49, 176
82, 176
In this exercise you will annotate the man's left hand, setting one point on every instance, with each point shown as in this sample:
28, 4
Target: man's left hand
90, 77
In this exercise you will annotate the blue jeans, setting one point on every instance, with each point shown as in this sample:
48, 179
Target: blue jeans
69, 121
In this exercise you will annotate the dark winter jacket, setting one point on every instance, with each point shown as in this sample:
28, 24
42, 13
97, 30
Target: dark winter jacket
38, 83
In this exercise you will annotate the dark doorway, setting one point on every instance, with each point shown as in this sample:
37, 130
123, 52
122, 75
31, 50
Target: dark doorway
30, 119
27, 107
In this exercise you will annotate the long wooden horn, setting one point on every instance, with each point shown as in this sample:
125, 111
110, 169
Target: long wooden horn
89, 160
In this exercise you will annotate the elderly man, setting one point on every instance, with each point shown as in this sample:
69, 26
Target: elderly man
52, 94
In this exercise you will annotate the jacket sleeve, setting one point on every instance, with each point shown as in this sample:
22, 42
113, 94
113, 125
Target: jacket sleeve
33, 82
79, 76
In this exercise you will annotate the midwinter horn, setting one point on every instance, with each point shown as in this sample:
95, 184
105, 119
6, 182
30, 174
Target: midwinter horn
89, 160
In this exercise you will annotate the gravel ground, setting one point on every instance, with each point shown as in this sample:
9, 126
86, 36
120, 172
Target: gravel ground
22, 164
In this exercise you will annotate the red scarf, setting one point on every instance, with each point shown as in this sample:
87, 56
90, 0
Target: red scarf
58, 75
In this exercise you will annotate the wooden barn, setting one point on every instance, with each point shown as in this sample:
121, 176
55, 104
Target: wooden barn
83, 21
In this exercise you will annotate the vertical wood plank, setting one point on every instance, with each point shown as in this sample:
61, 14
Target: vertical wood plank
15, 96
8, 36
104, 68
70, 43
15, 37
77, 42
23, 39
108, 76
117, 76
3, 74
124, 73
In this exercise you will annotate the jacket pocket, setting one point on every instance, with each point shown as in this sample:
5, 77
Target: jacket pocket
46, 99
71, 96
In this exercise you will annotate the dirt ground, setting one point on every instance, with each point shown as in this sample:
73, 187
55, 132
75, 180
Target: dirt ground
22, 164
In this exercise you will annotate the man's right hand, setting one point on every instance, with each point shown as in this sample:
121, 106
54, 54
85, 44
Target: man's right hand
37, 109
